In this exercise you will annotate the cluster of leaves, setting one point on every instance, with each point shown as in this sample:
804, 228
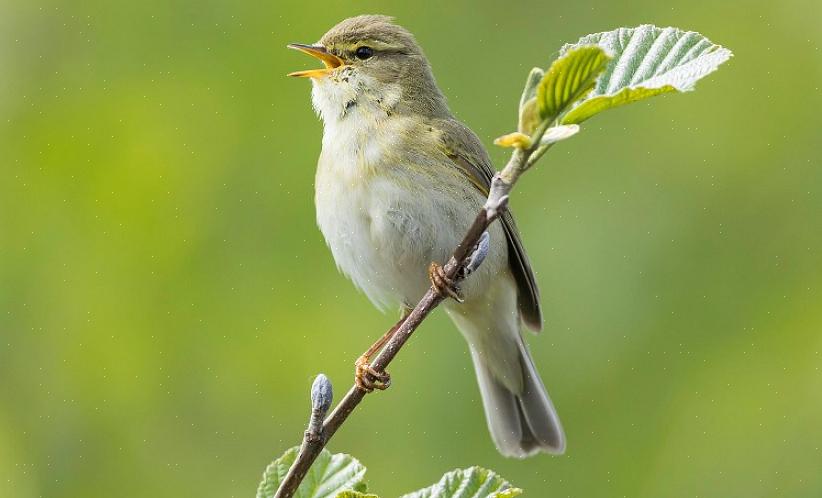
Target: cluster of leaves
341, 476
607, 70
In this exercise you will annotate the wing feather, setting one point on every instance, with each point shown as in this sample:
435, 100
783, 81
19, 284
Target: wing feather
469, 156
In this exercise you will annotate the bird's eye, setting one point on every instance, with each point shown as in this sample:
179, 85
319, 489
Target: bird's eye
363, 53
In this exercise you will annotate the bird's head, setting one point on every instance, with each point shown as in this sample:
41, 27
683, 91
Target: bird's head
370, 61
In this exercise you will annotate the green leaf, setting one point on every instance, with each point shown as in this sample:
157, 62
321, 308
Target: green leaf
647, 61
569, 78
328, 477
474, 482
355, 494
528, 112
530, 90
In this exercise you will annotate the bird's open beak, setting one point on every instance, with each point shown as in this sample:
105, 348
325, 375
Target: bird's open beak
330, 60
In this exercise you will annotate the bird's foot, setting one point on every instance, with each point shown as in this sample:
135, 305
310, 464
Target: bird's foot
443, 285
368, 379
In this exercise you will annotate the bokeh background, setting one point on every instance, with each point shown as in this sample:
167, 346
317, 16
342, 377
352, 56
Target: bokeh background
165, 296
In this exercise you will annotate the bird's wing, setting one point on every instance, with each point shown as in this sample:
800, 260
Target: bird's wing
465, 150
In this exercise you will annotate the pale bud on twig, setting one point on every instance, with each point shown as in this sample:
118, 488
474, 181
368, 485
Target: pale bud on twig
322, 396
479, 254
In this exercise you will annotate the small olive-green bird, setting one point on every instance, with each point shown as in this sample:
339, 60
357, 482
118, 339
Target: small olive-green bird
399, 181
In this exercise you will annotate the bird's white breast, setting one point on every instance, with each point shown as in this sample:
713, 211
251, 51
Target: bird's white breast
362, 212
388, 203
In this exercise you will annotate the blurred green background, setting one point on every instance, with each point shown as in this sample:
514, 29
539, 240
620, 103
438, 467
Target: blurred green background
165, 296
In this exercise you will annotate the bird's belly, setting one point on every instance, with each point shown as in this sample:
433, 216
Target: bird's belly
384, 230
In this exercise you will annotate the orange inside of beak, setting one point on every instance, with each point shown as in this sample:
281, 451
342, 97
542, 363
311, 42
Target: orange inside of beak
330, 60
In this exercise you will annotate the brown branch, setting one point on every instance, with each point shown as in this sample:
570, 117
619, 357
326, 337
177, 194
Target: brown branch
497, 200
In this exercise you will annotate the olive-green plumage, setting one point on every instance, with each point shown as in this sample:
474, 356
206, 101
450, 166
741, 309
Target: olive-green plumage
399, 180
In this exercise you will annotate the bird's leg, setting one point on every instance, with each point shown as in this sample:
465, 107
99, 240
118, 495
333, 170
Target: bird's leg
366, 378
441, 284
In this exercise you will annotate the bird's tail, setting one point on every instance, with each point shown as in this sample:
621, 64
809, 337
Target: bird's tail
521, 418
521, 423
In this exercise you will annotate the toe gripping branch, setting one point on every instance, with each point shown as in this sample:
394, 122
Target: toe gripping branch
448, 287
442, 284
367, 378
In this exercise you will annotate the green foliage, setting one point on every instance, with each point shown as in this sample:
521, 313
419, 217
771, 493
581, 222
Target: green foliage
474, 482
328, 477
606, 70
569, 78
528, 112
341, 476
647, 61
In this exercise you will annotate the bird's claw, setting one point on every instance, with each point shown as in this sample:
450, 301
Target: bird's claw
367, 378
442, 285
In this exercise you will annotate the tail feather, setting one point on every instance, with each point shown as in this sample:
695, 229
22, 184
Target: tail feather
520, 415
524, 423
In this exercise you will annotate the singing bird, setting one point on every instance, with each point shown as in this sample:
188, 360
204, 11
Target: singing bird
399, 181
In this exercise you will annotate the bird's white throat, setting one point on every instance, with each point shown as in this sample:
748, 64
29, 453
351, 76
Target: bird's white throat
355, 110
348, 92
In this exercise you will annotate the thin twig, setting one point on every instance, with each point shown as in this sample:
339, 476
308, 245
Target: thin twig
501, 186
